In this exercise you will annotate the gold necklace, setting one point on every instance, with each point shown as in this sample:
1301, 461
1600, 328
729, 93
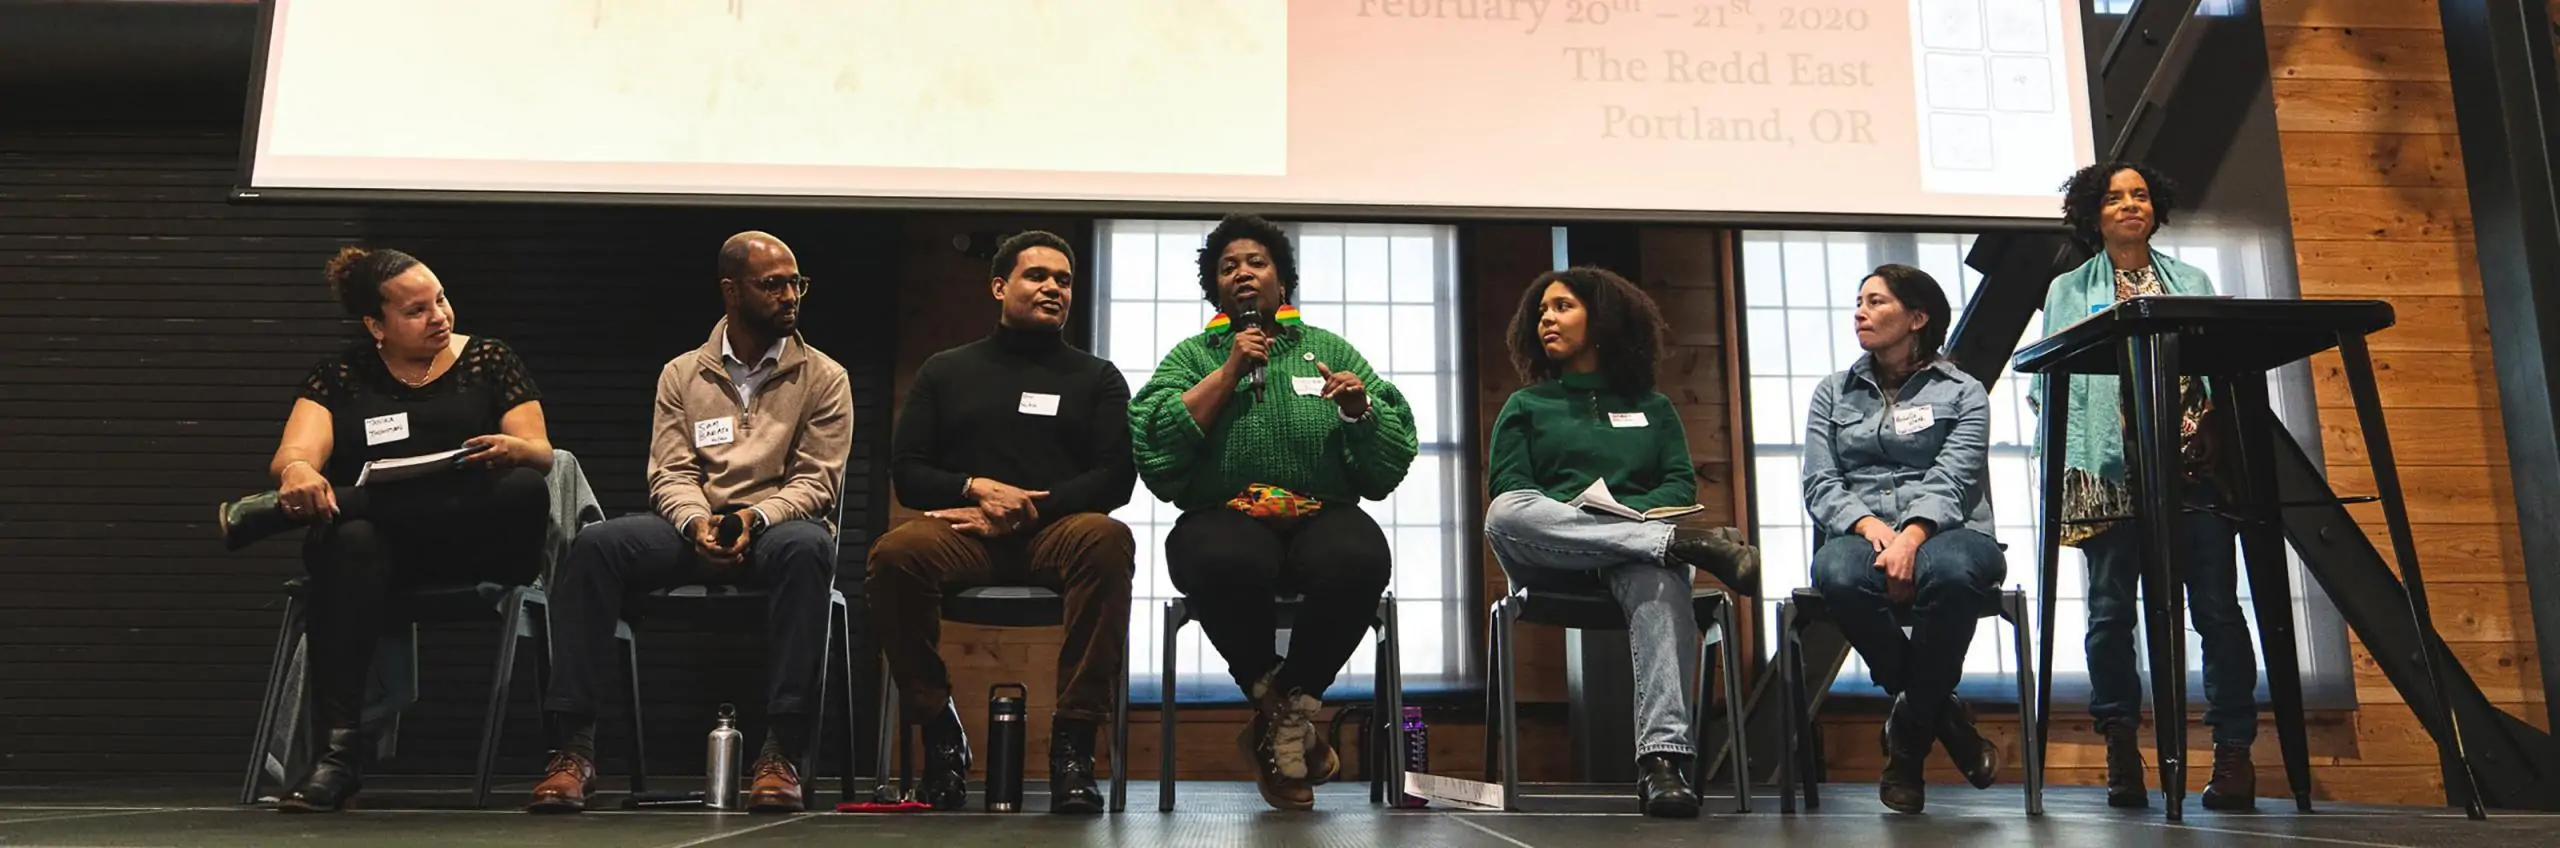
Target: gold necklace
424, 377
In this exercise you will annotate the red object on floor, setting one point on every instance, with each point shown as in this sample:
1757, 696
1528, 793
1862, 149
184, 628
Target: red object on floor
877, 807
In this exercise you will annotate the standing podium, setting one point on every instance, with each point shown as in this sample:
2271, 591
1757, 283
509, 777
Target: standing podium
2148, 343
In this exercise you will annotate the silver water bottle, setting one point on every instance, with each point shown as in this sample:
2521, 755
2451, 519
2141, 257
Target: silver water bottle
720, 762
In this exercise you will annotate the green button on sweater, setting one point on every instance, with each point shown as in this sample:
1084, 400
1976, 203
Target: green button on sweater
1559, 435
1272, 435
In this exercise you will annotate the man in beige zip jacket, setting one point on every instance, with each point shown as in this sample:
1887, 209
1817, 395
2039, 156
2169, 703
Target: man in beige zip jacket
746, 454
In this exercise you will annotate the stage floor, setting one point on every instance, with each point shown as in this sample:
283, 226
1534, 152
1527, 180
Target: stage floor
431, 812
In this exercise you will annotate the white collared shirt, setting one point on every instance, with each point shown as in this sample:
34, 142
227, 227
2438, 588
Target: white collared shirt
749, 377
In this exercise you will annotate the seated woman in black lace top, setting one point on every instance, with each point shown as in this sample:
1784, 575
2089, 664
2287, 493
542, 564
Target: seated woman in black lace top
415, 387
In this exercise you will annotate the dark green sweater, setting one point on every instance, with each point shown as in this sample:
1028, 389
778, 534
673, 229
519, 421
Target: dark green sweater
1558, 436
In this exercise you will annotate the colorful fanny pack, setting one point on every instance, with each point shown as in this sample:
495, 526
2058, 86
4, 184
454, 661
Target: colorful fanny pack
1275, 505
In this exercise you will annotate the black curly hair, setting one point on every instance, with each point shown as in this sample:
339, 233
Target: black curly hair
2084, 196
1622, 323
1284, 257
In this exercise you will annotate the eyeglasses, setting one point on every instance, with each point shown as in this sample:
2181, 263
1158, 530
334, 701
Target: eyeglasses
798, 285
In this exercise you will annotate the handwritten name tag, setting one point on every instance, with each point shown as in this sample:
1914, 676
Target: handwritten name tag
712, 432
1912, 419
1309, 386
1627, 419
386, 429
1035, 403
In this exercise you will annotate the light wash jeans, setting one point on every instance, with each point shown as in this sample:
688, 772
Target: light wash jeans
1542, 543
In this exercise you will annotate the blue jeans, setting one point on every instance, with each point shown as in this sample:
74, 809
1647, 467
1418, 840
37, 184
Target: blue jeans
2205, 554
1956, 580
1542, 543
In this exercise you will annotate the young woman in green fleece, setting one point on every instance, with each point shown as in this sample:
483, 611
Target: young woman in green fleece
1587, 341
1268, 434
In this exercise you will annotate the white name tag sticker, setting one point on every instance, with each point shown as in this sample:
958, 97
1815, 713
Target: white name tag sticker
1035, 403
386, 429
1309, 386
1912, 419
710, 432
1627, 419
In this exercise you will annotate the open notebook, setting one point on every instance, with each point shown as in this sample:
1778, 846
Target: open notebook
1597, 499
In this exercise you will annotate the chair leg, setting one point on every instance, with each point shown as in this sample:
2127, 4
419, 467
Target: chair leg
510, 631
1120, 734
2014, 603
1809, 770
1390, 686
639, 731
288, 631
891, 735
1175, 613
1708, 635
1506, 621
1731, 648
1494, 671
846, 788
827, 652
1788, 709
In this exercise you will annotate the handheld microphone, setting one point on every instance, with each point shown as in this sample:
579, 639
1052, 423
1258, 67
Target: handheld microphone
1251, 318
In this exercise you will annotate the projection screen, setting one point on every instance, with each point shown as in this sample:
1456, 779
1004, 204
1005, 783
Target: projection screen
1873, 108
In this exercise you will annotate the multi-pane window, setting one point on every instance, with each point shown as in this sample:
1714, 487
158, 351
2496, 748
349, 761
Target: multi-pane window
1800, 294
1391, 290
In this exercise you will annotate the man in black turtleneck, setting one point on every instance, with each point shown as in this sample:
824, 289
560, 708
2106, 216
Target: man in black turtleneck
1016, 447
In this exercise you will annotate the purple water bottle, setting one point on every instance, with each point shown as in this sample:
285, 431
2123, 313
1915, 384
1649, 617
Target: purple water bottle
1417, 750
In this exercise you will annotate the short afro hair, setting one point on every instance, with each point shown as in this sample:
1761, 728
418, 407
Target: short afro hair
1620, 321
1010, 251
1284, 257
2084, 196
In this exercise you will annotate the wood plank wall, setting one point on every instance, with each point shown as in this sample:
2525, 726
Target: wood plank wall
2373, 170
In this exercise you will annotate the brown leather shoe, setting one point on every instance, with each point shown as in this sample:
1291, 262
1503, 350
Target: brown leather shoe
777, 787
1278, 790
565, 785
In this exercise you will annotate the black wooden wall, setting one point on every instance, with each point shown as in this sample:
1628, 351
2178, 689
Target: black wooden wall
150, 338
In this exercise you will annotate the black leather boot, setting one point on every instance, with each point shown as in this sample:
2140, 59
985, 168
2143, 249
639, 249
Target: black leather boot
2234, 788
334, 779
1975, 756
1662, 786
1071, 784
1722, 554
946, 760
2124, 764
252, 518
1904, 788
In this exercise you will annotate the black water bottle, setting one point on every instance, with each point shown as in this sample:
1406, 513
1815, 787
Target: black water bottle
1008, 705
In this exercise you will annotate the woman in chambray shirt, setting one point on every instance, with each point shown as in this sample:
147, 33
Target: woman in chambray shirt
1895, 477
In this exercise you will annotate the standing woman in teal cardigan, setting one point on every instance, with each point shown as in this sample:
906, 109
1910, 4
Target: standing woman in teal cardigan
1587, 342
2117, 207
1268, 434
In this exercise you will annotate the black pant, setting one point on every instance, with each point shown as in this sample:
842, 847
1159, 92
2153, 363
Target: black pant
1231, 569
464, 527
794, 562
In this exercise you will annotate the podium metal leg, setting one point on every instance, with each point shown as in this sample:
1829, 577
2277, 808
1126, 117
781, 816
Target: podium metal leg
2243, 400
2461, 785
2055, 418
2150, 379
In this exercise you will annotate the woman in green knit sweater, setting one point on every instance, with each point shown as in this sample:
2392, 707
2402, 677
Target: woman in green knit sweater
1587, 340
1268, 434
